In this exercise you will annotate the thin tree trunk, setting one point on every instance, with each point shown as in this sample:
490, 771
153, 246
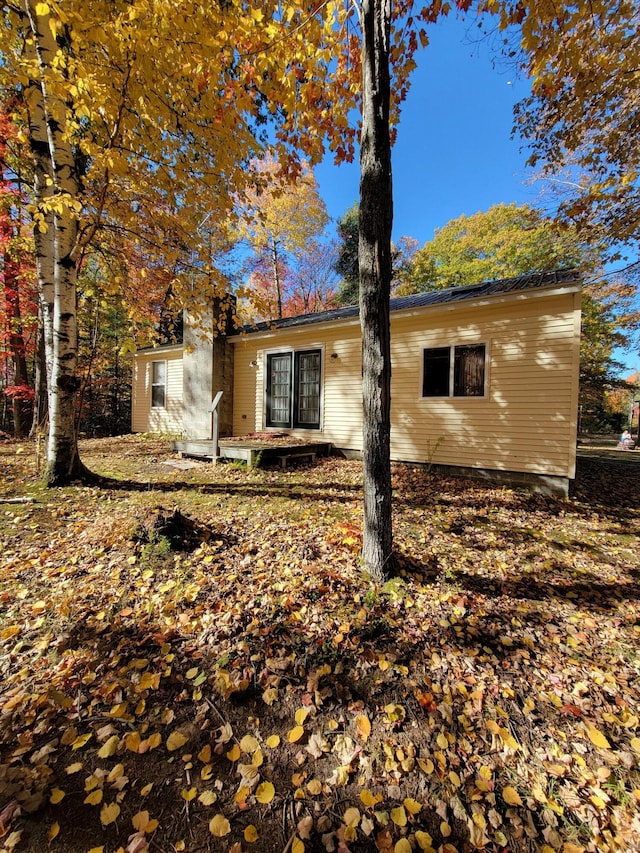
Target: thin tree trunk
57, 179
16, 344
276, 275
376, 215
40, 402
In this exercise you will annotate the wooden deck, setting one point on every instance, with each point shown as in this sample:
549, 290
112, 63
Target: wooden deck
254, 451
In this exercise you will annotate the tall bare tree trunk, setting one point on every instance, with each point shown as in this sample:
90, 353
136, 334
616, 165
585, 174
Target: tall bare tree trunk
376, 215
40, 401
16, 343
276, 275
57, 186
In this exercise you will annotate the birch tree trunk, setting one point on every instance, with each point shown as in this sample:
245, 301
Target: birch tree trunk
276, 275
376, 215
57, 190
16, 340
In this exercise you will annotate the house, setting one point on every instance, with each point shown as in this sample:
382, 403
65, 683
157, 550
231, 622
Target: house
484, 380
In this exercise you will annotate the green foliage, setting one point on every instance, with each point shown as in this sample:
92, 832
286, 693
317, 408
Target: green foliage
402, 257
510, 240
347, 263
507, 240
580, 122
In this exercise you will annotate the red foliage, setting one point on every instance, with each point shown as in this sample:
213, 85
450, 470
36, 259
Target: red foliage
18, 304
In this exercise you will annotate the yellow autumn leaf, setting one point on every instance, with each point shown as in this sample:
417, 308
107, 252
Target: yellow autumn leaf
207, 798
92, 782
241, 794
297, 846
109, 813
249, 744
445, 829
399, 816
56, 796
412, 806
370, 800
454, 778
234, 753
76, 767
205, 754
301, 715
132, 741
176, 740
79, 742
265, 792
143, 823
402, 846
188, 794
146, 790
442, 741
94, 798
219, 826
508, 738
54, 829
97, 849
42, 9
351, 817
273, 741
598, 739
109, 747
295, 734
118, 710
424, 840
250, 834
314, 787
569, 847
479, 820
511, 796
115, 773
154, 740
363, 727
426, 765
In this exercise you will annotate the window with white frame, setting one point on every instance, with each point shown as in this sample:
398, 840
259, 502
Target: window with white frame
454, 371
293, 389
158, 384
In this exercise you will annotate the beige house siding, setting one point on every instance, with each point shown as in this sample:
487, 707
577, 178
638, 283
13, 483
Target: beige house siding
527, 420
341, 396
145, 418
525, 423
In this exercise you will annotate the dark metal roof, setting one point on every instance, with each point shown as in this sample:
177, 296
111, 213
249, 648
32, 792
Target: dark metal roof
533, 281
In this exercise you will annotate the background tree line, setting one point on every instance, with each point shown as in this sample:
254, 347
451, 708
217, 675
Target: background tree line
283, 255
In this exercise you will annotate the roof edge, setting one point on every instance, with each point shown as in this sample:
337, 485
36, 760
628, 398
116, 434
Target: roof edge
451, 295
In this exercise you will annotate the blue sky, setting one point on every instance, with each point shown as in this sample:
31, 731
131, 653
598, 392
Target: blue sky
455, 153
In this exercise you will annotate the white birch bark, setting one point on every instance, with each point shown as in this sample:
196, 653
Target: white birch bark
57, 189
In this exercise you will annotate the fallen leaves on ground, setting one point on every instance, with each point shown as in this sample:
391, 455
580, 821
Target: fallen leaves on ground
237, 683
